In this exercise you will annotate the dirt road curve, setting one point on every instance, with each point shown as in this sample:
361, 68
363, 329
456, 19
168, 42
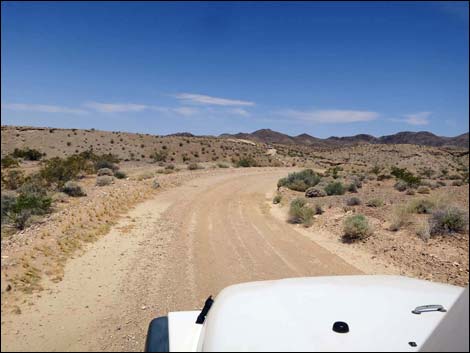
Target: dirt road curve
169, 254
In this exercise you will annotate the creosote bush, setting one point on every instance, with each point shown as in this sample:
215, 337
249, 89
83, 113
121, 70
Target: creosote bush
71, 188
353, 201
105, 171
448, 220
300, 181
356, 227
335, 188
104, 180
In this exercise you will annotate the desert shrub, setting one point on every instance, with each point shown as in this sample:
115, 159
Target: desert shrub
441, 183
357, 182
400, 185
222, 165
105, 164
454, 177
406, 176
334, 171
8, 162
383, 177
105, 171
300, 181
277, 199
356, 227
423, 230
447, 220
159, 156
457, 183
71, 188
170, 167
13, 179
299, 212
376, 169
25, 205
145, 175
400, 217
120, 174
410, 192
246, 162
8, 201
334, 188
421, 206
317, 208
352, 188
375, 202
353, 201
423, 190
193, 166
58, 171
29, 154
104, 180
427, 172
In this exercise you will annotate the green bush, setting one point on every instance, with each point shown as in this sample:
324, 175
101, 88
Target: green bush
400, 185
105, 171
406, 176
277, 199
448, 220
352, 188
13, 179
27, 154
159, 156
299, 212
353, 201
335, 188
193, 166
376, 202
104, 180
30, 201
246, 162
8, 162
73, 189
58, 171
8, 201
300, 181
120, 174
421, 206
223, 165
355, 227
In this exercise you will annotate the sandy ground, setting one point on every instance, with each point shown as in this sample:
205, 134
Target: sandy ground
169, 253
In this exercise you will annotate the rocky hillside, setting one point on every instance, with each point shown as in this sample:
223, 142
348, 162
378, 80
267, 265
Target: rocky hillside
422, 138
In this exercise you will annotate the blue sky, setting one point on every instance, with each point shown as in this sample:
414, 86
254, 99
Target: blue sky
207, 68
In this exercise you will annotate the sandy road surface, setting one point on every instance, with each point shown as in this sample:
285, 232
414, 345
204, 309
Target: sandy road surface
169, 254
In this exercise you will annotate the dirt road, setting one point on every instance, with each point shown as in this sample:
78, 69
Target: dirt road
169, 254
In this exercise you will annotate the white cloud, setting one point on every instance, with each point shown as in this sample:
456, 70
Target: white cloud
186, 111
208, 100
42, 108
239, 111
331, 116
115, 107
420, 118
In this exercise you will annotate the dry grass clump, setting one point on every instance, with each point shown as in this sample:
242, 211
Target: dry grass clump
299, 212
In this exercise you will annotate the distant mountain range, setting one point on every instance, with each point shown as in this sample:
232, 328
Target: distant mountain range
424, 138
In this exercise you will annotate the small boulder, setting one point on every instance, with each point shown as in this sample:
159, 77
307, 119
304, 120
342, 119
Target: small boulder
314, 192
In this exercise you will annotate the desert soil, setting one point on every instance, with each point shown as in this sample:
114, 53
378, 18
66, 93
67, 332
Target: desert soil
167, 254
